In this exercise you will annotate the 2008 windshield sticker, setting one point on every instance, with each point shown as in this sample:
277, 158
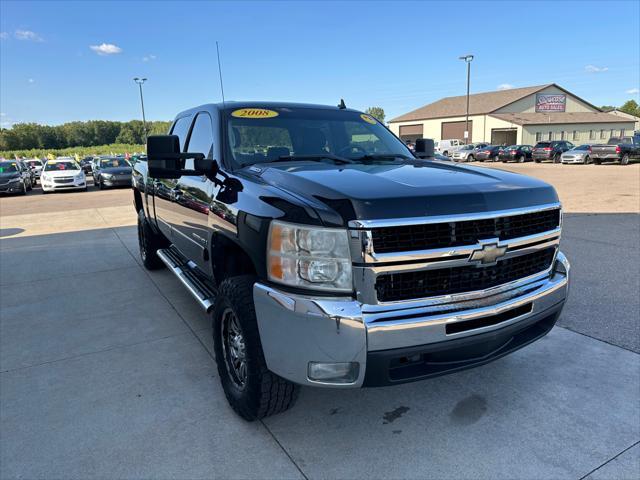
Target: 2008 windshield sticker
254, 113
368, 119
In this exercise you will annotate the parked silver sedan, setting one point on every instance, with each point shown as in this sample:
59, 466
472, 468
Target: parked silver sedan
467, 153
579, 154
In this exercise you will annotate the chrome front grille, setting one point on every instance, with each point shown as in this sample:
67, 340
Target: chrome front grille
446, 281
450, 257
453, 234
63, 180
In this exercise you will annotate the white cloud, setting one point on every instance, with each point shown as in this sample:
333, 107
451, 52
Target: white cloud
594, 69
106, 49
148, 58
28, 35
633, 91
505, 86
4, 35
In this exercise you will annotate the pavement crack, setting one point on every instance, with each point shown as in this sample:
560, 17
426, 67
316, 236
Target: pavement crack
610, 460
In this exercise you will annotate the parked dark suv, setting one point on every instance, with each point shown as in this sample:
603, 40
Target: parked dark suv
550, 150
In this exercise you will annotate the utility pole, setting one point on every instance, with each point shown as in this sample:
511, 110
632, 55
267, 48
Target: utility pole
140, 81
468, 59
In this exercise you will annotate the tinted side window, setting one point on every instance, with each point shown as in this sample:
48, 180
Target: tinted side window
201, 138
181, 129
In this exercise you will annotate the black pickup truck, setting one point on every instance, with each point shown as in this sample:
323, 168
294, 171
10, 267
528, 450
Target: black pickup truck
330, 255
620, 149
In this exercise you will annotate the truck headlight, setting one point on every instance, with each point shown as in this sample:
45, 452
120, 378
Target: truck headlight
309, 257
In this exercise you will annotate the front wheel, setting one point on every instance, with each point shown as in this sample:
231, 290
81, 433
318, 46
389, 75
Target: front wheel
625, 159
556, 158
470, 158
597, 161
587, 160
251, 389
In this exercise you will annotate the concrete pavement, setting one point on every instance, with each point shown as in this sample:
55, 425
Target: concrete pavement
107, 371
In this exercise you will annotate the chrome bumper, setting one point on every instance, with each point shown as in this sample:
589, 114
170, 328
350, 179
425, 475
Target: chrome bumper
298, 329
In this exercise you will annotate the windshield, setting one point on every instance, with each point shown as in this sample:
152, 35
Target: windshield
114, 163
33, 163
581, 147
65, 165
542, 144
512, 147
8, 167
283, 132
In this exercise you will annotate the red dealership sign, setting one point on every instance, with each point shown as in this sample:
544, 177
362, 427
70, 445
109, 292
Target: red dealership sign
550, 102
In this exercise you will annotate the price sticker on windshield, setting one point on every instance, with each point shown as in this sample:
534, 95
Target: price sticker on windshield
368, 119
254, 113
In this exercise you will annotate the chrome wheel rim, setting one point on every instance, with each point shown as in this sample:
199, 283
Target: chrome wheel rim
233, 348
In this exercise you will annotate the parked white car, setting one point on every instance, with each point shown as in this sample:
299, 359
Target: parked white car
447, 147
62, 174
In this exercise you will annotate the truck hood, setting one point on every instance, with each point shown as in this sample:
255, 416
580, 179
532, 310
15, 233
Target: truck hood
382, 191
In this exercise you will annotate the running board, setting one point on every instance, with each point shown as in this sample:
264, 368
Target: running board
186, 272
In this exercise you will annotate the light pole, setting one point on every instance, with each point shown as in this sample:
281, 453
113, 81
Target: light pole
140, 81
467, 59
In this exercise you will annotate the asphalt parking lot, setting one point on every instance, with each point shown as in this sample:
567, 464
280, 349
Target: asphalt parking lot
106, 370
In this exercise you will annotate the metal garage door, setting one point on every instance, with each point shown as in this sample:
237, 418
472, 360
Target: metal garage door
411, 132
451, 130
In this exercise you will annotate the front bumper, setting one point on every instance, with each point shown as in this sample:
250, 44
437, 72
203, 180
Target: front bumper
573, 159
117, 181
404, 344
13, 187
52, 186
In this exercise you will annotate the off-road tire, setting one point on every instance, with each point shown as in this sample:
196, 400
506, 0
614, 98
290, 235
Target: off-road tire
264, 393
597, 161
149, 242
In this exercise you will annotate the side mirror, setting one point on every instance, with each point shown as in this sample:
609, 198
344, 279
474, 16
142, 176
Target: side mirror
424, 148
166, 161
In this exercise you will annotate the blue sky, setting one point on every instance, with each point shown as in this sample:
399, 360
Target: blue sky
398, 55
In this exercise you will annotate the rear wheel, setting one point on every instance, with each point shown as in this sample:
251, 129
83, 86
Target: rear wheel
149, 243
556, 158
597, 161
625, 159
587, 160
521, 159
471, 158
251, 389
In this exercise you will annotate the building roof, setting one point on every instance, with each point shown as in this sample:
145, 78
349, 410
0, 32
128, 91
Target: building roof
479, 104
540, 118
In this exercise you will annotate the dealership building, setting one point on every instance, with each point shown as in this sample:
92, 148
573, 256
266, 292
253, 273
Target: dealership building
515, 116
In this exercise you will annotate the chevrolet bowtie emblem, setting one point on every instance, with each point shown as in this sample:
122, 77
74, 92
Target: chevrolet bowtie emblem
488, 254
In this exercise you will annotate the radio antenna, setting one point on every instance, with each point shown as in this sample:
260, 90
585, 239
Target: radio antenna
220, 73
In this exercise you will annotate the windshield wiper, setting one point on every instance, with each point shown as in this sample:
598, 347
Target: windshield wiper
382, 156
316, 157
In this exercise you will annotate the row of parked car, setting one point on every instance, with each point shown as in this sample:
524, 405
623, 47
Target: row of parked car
620, 149
64, 173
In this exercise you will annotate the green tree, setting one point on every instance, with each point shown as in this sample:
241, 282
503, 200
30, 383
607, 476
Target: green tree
158, 128
376, 112
631, 107
131, 132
